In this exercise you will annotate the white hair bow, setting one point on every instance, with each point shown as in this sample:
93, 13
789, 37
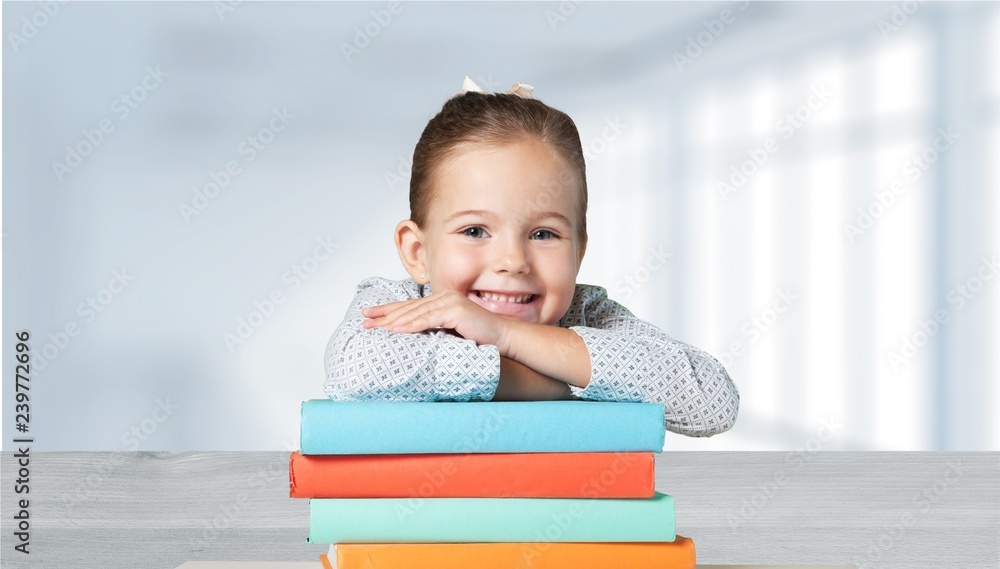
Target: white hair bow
520, 89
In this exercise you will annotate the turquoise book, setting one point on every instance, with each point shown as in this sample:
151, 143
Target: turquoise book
491, 520
379, 427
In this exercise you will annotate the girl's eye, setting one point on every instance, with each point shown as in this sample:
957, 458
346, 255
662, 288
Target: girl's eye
544, 234
473, 231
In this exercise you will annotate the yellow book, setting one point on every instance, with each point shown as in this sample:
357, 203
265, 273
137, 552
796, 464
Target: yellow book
677, 554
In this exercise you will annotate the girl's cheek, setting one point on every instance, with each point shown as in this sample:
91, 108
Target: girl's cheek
458, 274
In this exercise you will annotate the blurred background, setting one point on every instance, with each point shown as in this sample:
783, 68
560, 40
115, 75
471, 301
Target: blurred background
193, 190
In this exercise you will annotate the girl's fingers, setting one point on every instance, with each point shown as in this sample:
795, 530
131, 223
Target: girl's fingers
384, 309
399, 313
415, 319
403, 316
376, 311
403, 320
380, 321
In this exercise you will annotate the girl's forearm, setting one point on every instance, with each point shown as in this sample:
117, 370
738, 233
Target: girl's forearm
554, 352
519, 382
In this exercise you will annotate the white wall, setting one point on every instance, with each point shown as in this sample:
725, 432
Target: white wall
653, 187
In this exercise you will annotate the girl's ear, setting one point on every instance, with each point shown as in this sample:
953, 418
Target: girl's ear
410, 245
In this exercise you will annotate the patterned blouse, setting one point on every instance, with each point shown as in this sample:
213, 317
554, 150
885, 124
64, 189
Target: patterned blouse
631, 360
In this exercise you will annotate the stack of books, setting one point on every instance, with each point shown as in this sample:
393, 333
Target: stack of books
541, 484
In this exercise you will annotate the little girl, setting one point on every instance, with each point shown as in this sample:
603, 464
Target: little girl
496, 235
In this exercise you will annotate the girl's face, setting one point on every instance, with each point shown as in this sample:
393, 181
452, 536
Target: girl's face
503, 230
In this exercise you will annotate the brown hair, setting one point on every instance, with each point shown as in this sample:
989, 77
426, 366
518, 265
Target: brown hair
494, 119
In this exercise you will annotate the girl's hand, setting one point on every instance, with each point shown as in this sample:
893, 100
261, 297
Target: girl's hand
445, 309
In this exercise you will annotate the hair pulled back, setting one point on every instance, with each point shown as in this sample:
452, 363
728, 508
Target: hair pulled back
492, 119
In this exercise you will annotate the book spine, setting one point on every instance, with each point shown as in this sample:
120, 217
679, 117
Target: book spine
678, 554
537, 475
329, 427
490, 520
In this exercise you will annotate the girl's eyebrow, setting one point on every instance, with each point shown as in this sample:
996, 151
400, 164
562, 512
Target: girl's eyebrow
490, 214
481, 212
556, 215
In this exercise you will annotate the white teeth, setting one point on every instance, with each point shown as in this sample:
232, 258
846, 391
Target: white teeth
501, 298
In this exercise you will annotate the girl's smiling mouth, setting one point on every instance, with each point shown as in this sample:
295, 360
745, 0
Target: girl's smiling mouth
512, 303
517, 297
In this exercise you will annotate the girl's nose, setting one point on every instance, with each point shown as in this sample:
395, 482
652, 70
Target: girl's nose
511, 258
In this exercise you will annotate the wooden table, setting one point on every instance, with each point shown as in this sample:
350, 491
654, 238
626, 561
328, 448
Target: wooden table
874, 510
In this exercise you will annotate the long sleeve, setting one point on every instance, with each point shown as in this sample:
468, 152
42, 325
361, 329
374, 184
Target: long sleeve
632, 360
375, 364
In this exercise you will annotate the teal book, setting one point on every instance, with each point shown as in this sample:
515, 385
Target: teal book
379, 427
491, 520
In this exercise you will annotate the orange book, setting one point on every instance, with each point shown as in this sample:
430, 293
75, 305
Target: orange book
678, 554
484, 475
